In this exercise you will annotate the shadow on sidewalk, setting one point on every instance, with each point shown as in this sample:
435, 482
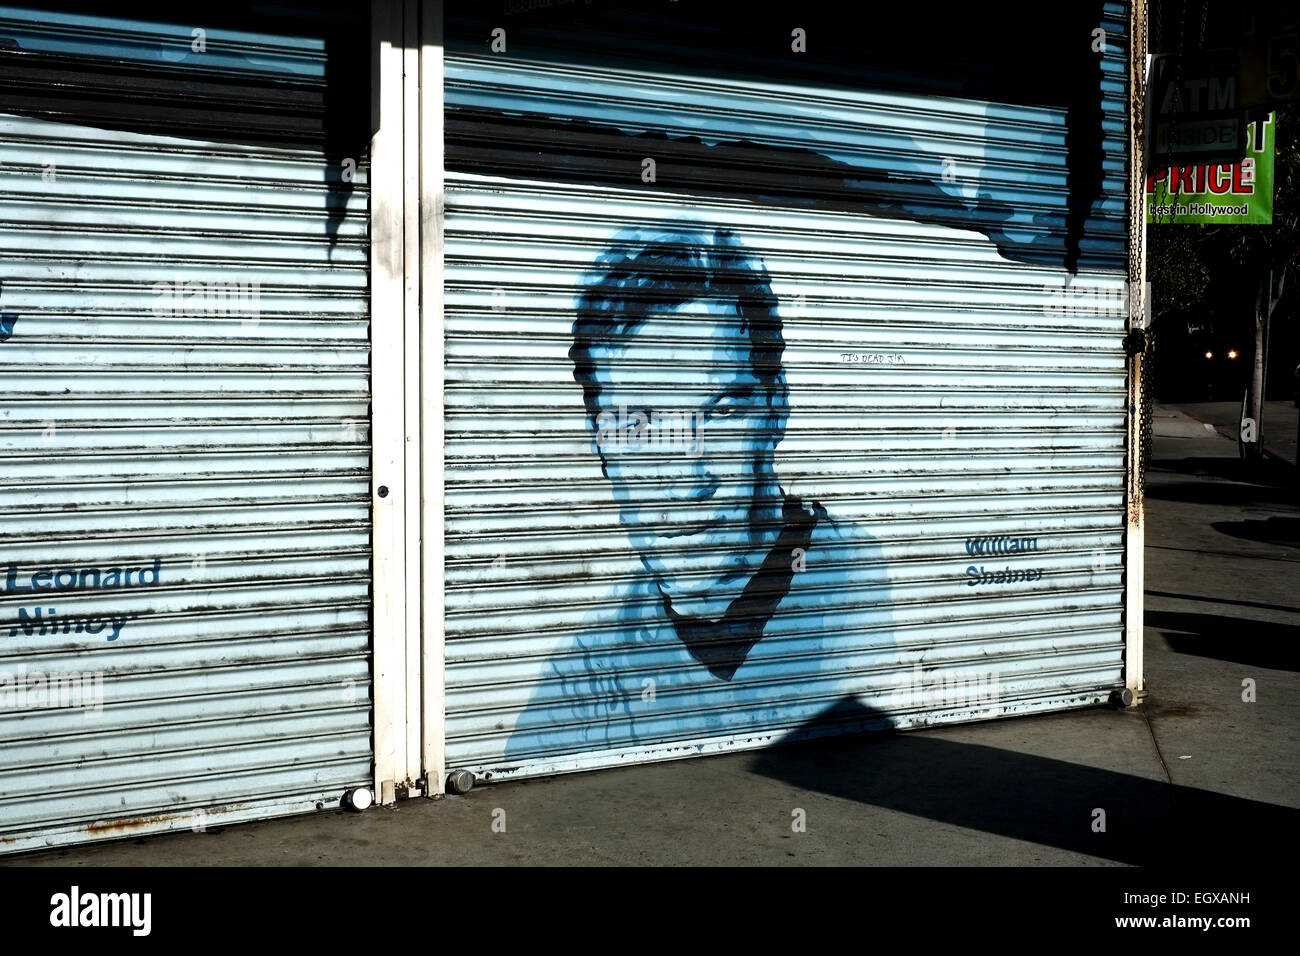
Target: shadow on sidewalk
1036, 799
1239, 640
1271, 530
1270, 477
1230, 494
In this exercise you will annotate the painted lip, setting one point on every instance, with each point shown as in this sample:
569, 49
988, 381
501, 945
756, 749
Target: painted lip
682, 571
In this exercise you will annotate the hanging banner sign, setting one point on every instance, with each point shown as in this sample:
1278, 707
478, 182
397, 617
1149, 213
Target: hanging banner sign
1238, 193
1194, 112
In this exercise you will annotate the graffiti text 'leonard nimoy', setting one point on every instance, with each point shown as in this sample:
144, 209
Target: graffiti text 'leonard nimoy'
47, 620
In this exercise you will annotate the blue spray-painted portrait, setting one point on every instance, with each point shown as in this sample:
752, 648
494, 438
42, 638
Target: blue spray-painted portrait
747, 606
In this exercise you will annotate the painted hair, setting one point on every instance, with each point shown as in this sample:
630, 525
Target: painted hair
656, 267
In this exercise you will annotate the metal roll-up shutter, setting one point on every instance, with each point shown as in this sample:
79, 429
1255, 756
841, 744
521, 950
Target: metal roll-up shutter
184, 429
949, 276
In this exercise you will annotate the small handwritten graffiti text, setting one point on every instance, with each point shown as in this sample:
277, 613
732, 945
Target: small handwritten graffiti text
873, 358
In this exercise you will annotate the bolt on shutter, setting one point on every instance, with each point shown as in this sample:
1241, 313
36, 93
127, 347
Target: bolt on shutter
184, 430
954, 405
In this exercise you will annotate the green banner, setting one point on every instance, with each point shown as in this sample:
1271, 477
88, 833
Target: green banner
1224, 193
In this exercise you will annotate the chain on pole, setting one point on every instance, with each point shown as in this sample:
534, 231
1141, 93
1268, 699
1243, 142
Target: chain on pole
1138, 306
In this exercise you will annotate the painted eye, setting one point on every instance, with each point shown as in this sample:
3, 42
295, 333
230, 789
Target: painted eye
731, 406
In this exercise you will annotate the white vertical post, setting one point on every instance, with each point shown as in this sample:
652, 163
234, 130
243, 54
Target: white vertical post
432, 384
411, 379
1134, 537
387, 401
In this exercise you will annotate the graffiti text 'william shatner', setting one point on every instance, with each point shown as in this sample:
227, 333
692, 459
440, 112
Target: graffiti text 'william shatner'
998, 545
45, 582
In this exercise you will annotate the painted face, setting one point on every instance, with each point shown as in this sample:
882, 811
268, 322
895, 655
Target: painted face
686, 432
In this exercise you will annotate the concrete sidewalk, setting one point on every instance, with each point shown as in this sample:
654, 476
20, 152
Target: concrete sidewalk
1278, 424
1193, 775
